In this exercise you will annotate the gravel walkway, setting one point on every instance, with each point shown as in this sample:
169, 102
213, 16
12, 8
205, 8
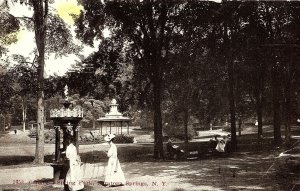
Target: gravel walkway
242, 171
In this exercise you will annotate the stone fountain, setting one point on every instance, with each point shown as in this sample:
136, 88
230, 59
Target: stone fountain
66, 122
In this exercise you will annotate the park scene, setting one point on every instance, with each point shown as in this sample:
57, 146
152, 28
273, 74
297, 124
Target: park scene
149, 95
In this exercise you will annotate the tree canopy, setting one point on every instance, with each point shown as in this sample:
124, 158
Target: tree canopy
184, 63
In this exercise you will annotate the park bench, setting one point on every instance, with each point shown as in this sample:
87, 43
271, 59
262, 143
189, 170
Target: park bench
192, 155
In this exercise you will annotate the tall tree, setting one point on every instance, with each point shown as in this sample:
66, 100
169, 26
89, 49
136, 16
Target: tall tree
40, 15
25, 83
51, 35
229, 20
255, 67
40, 26
148, 28
6, 93
276, 17
9, 26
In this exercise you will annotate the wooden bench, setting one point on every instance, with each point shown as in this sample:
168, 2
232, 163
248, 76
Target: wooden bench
192, 155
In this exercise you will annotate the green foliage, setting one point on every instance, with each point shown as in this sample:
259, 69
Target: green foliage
86, 124
185, 51
9, 27
50, 135
6, 92
123, 139
59, 39
177, 132
32, 132
25, 76
142, 118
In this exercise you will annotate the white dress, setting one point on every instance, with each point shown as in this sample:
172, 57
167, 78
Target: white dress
221, 145
74, 174
113, 172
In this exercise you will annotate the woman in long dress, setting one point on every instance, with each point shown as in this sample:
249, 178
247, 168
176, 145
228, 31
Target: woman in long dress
221, 144
113, 174
74, 175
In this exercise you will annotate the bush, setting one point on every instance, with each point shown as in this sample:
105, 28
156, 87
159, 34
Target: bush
177, 132
32, 132
86, 124
49, 135
49, 125
123, 139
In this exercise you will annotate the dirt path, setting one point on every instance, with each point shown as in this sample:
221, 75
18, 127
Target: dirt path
243, 171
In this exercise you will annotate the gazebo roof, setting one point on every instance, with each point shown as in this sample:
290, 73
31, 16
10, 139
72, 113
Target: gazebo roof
114, 114
112, 119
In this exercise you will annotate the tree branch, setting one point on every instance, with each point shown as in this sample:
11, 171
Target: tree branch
25, 18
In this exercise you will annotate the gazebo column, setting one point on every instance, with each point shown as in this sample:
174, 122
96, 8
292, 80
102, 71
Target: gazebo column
57, 143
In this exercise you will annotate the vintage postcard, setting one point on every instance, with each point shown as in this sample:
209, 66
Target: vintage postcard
149, 95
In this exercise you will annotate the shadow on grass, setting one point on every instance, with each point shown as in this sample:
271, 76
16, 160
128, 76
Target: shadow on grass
20, 160
15, 160
144, 152
253, 167
125, 154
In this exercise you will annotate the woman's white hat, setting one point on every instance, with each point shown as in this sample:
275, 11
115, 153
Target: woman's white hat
109, 137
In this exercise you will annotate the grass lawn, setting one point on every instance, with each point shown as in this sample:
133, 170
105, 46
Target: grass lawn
253, 167
243, 170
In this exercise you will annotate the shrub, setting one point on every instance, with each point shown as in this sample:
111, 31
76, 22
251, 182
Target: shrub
177, 132
86, 124
49, 135
49, 125
123, 139
32, 132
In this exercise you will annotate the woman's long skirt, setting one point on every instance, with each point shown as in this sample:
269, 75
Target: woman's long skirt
113, 173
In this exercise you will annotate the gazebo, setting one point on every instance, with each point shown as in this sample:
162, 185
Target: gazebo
114, 117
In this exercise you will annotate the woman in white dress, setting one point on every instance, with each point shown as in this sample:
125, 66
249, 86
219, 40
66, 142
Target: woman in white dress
113, 173
74, 175
221, 144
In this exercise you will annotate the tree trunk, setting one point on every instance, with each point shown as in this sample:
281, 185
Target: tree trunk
186, 120
231, 96
24, 113
2, 122
259, 108
275, 79
259, 98
276, 104
158, 138
287, 102
40, 23
232, 107
240, 125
